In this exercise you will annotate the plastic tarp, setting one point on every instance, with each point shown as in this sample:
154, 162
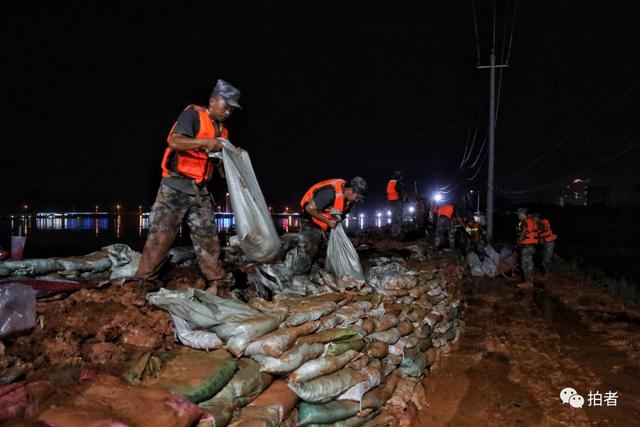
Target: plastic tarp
17, 308
255, 229
342, 258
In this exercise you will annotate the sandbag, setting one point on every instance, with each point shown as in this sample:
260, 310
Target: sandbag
329, 335
245, 385
387, 322
335, 348
321, 366
270, 408
254, 226
378, 349
390, 336
372, 371
200, 339
194, 374
327, 387
342, 258
289, 360
276, 342
311, 311
413, 363
331, 412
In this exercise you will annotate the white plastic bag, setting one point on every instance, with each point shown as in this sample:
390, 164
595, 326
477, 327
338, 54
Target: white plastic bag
255, 228
342, 258
17, 308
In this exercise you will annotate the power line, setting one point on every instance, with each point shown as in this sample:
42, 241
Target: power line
475, 26
484, 141
590, 168
576, 131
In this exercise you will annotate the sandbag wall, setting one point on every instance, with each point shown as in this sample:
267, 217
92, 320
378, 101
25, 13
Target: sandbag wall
332, 358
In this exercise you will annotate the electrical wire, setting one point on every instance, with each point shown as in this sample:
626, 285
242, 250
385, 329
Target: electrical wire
577, 130
475, 26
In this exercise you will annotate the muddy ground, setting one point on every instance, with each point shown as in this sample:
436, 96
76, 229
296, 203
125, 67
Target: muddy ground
520, 348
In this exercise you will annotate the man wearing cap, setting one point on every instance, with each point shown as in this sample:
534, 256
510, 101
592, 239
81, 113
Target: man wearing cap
527, 241
186, 169
397, 196
323, 206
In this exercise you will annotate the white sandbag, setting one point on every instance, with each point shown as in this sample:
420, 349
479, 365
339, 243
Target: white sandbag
289, 360
322, 366
342, 258
255, 228
200, 339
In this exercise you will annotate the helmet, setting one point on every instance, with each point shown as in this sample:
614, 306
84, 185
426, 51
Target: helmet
397, 174
521, 211
359, 185
536, 215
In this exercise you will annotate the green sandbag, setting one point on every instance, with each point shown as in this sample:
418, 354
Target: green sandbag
328, 335
335, 348
413, 363
336, 410
247, 383
194, 374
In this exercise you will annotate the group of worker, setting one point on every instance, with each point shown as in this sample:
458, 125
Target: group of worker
188, 165
190, 160
534, 233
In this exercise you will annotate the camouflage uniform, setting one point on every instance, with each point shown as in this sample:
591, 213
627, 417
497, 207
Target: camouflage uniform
165, 219
311, 238
397, 213
547, 255
445, 225
526, 261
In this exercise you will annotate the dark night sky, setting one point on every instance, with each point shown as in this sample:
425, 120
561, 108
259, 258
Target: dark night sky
329, 90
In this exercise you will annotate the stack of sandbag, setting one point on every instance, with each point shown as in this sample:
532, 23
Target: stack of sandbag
331, 358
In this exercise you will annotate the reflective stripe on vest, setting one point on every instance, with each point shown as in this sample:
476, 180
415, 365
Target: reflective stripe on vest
531, 238
194, 163
446, 210
338, 204
546, 235
392, 194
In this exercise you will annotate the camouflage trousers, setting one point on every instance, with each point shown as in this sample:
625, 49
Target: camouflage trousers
397, 213
547, 255
526, 261
168, 211
445, 226
310, 240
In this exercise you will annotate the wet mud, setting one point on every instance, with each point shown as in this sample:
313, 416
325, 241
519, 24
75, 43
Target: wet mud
520, 348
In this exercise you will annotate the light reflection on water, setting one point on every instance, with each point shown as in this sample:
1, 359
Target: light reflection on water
72, 234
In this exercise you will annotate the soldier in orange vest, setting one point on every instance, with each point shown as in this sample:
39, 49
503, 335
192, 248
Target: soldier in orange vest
445, 224
547, 239
397, 196
186, 169
527, 241
322, 207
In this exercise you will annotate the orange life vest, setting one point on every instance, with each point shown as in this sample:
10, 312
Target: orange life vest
545, 234
445, 210
194, 163
339, 203
392, 194
531, 237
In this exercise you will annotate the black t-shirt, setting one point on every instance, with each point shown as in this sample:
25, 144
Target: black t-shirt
325, 199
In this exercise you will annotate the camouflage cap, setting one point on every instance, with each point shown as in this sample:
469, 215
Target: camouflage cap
228, 92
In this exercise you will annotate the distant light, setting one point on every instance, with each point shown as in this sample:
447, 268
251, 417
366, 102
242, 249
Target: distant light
412, 209
379, 214
361, 215
388, 213
437, 197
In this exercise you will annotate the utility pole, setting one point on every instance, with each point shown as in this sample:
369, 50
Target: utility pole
492, 138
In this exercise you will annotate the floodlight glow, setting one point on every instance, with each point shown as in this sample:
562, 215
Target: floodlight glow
412, 209
388, 213
437, 197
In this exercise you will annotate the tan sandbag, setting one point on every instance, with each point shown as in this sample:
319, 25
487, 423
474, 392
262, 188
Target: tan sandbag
275, 343
321, 366
307, 312
377, 349
387, 322
390, 386
271, 407
327, 387
405, 328
389, 336
289, 360
369, 325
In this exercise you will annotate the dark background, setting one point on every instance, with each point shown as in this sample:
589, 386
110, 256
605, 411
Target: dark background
90, 90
